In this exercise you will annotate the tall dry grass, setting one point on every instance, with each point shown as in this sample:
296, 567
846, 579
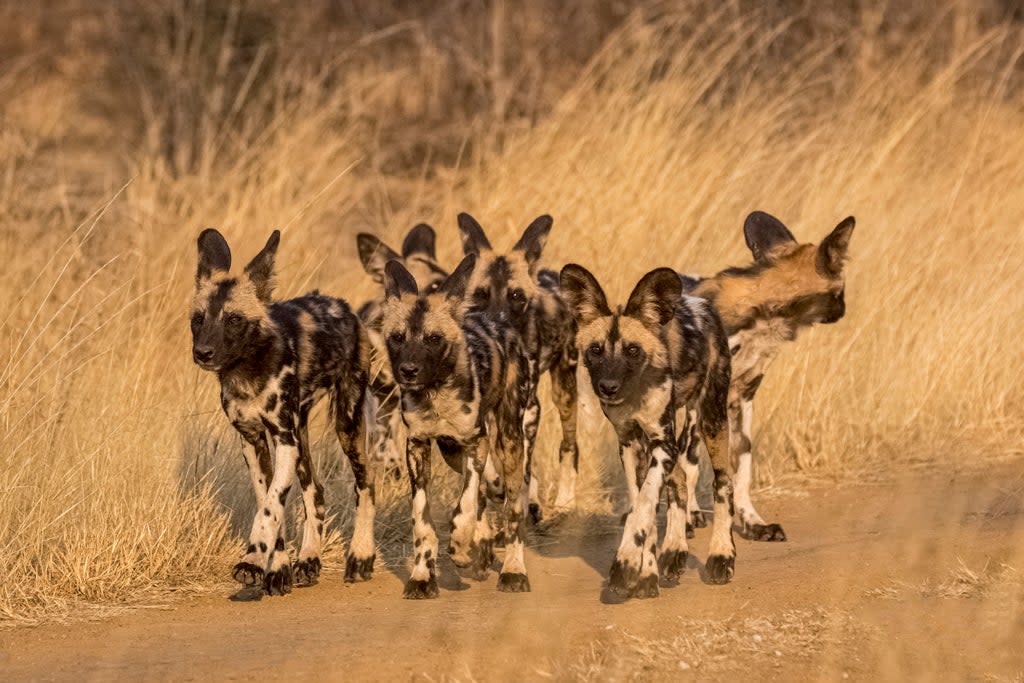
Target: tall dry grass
123, 480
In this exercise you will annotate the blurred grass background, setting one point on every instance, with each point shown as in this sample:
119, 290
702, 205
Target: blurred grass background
647, 130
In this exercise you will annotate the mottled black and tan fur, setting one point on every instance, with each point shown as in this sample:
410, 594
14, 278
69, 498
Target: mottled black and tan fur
462, 378
387, 441
789, 286
660, 368
275, 361
510, 287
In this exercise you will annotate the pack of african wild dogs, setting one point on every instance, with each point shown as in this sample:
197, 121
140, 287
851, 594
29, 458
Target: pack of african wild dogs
452, 360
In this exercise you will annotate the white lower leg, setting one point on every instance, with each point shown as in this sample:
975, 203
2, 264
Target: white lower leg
266, 528
567, 474
362, 546
464, 520
744, 506
638, 550
425, 539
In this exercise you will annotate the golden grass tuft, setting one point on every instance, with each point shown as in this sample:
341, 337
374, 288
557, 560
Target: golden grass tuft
124, 483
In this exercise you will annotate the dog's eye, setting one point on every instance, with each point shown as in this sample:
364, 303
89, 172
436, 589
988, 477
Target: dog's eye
396, 337
633, 351
233, 320
197, 320
433, 338
517, 296
595, 349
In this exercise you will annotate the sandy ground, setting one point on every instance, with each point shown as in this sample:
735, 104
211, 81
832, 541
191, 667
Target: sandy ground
908, 579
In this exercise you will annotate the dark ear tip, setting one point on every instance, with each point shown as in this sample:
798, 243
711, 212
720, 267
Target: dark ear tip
849, 220
423, 227
365, 239
209, 233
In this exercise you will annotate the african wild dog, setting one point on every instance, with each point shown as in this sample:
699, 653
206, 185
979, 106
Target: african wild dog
418, 256
788, 286
462, 377
660, 369
509, 287
275, 360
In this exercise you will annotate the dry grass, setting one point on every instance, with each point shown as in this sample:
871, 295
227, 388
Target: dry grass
648, 141
994, 581
701, 648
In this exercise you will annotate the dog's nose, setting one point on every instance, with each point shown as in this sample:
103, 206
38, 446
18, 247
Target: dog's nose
608, 388
202, 354
408, 371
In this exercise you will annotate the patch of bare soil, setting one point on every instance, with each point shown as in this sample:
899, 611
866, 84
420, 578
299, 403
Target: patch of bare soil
919, 578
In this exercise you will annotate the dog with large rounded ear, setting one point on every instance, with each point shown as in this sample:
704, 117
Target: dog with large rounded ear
763, 232
260, 270
533, 240
583, 293
398, 281
474, 240
420, 240
832, 251
374, 255
454, 286
214, 254
655, 298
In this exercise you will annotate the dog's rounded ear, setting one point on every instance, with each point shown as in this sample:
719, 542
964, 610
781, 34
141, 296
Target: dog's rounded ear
454, 286
833, 250
261, 269
374, 255
420, 240
655, 298
398, 281
214, 254
533, 240
580, 289
473, 238
763, 232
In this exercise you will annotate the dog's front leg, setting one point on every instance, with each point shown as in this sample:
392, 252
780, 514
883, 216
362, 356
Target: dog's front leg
422, 582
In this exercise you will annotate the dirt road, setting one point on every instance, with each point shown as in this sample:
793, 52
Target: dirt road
922, 577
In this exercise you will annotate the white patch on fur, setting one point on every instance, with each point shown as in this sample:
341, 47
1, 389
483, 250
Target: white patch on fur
744, 472
643, 519
362, 534
567, 474
266, 528
423, 530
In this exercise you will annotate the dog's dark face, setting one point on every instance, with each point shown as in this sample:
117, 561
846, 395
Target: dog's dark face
418, 257
229, 313
423, 331
624, 351
503, 285
802, 283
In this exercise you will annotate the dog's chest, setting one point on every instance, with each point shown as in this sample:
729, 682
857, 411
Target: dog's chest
440, 413
244, 404
754, 349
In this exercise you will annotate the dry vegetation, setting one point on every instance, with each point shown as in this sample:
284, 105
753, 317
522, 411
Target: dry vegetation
648, 134
702, 648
